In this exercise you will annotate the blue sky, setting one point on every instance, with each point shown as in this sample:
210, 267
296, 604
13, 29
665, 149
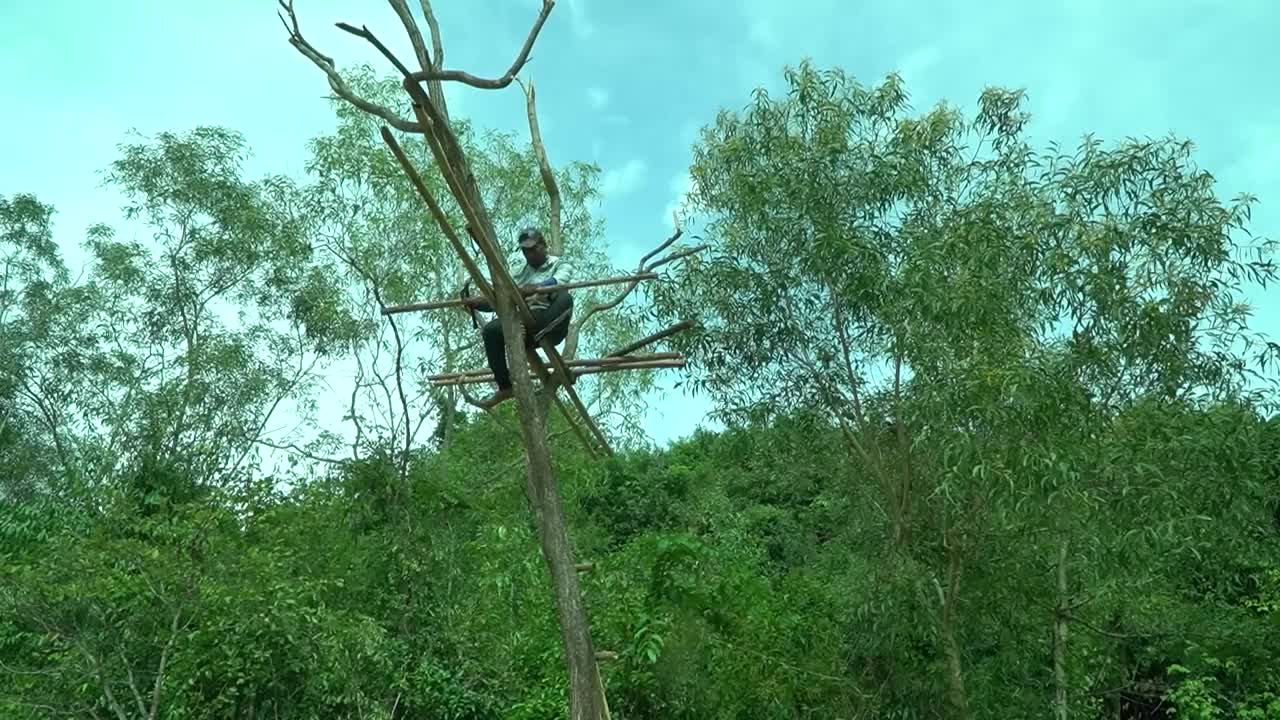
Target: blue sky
627, 84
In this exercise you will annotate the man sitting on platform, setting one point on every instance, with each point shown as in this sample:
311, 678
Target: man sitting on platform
551, 310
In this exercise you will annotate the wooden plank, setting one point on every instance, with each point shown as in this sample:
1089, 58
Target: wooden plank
459, 302
591, 370
582, 363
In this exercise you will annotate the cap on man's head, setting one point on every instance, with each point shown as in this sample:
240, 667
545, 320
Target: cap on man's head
529, 237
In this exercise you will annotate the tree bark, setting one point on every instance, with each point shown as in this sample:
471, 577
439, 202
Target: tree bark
586, 695
956, 696
1060, 639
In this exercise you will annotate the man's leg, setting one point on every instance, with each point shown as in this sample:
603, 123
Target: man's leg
496, 352
561, 304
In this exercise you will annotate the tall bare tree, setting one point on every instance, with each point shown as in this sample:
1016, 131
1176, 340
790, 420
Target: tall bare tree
431, 120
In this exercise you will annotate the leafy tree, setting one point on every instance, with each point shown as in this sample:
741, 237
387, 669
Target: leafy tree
32, 266
972, 314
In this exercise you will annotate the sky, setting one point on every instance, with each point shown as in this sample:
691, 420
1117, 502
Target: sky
628, 84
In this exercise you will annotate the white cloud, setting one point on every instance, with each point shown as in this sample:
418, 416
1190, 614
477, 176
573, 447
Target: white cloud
598, 97
621, 181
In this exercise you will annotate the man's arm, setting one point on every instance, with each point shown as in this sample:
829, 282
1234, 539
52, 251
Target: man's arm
561, 273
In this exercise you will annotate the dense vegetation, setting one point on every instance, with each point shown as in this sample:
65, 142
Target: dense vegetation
1000, 440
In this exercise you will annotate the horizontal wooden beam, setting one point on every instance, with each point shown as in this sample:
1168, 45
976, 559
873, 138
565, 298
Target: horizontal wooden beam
459, 302
579, 363
555, 377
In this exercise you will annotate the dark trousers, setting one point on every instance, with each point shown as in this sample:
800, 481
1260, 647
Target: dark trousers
542, 319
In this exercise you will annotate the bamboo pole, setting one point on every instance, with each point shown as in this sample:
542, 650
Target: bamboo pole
591, 370
436, 212
459, 302
482, 231
580, 363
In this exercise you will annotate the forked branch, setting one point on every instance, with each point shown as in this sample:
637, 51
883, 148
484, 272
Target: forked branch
364, 32
437, 54
495, 83
645, 268
339, 86
415, 35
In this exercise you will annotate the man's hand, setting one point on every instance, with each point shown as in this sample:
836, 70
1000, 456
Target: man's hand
528, 289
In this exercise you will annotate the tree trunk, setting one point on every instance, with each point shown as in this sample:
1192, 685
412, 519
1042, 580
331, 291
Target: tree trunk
586, 694
951, 647
1060, 639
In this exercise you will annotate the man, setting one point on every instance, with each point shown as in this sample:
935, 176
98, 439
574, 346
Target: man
551, 310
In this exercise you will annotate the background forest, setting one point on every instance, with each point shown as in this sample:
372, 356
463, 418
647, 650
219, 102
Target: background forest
999, 439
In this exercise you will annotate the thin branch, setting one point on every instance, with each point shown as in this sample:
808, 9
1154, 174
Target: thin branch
266, 417
571, 342
665, 244
339, 86
96, 666
649, 340
291, 447
676, 256
133, 684
355, 417
497, 83
399, 362
164, 659
554, 243
415, 35
364, 32
434, 87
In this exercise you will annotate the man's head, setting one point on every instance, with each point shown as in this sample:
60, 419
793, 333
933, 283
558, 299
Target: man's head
533, 246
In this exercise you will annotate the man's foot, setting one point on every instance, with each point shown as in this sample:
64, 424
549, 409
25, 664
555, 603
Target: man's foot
495, 399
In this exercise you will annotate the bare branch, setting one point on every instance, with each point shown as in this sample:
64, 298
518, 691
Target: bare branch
364, 32
554, 243
291, 447
133, 685
415, 35
339, 86
497, 83
571, 343
437, 56
676, 256
164, 659
645, 341
665, 244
